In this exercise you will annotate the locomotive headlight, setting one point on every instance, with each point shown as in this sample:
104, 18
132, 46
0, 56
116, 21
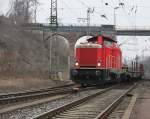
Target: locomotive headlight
99, 64
77, 64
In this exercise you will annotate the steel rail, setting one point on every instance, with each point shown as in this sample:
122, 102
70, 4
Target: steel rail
111, 107
33, 91
58, 110
35, 94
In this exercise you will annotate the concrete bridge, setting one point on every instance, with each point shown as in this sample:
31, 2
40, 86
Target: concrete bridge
130, 31
72, 33
104, 29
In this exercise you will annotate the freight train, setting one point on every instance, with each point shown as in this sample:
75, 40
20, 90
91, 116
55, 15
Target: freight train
98, 60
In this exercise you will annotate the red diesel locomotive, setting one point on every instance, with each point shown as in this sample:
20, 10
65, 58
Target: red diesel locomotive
98, 59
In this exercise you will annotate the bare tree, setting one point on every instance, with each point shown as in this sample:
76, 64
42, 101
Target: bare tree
23, 11
35, 4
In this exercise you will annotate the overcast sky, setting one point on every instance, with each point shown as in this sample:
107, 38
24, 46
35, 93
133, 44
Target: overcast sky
133, 13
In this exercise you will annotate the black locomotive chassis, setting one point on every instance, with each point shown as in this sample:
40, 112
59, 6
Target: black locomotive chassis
89, 76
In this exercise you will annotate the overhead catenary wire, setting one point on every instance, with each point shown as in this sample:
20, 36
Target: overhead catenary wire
101, 15
70, 9
100, 11
83, 3
101, 8
79, 9
126, 16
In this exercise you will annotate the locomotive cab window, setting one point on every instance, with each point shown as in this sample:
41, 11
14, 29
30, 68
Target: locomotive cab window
108, 43
92, 40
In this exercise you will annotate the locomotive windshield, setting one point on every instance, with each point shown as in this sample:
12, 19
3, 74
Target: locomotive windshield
93, 40
108, 42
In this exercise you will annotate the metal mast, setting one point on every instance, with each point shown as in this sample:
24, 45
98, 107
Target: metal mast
53, 15
89, 12
53, 22
88, 20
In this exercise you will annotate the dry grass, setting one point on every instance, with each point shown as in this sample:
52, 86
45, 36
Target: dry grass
24, 59
13, 85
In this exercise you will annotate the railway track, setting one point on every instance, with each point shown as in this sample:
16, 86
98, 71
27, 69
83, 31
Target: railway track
28, 111
96, 106
34, 94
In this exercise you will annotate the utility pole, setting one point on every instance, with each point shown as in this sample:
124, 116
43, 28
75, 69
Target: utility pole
53, 22
35, 10
50, 54
53, 14
136, 62
88, 19
89, 12
115, 8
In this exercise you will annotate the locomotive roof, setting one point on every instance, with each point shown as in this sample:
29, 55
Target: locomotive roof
83, 40
86, 39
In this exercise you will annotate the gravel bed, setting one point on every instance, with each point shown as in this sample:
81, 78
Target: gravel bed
141, 88
30, 112
120, 110
91, 108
